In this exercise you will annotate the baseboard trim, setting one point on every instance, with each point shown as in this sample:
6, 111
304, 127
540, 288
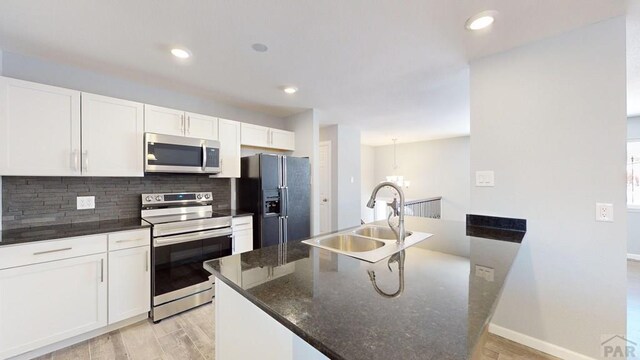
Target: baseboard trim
635, 257
537, 344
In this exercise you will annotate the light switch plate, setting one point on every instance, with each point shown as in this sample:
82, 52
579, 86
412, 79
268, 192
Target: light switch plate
485, 178
604, 212
485, 272
86, 202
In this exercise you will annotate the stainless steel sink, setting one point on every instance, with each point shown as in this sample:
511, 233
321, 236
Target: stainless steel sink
379, 232
369, 243
350, 243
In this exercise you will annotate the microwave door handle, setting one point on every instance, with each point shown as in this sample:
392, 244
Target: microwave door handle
204, 157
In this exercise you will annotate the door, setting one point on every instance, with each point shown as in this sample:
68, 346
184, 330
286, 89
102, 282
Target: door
39, 129
242, 240
129, 283
165, 121
297, 219
324, 169
177, 261
45, 303
281, 139
201, 126
112, 136
229, 137
254, 135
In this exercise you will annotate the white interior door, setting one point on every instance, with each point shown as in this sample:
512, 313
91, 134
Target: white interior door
325, 186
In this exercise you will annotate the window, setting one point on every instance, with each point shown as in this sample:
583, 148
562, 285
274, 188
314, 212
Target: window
633, 174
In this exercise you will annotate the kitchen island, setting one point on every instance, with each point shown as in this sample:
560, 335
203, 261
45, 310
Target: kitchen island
294, 301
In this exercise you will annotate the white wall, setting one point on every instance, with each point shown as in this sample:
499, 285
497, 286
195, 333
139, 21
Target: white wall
345, 172
46, 72
434, 168
633, 245
367, 180
550, 119
307, 130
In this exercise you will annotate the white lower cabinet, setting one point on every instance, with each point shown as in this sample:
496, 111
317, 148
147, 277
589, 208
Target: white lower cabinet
129, 283
242, 234
44, 303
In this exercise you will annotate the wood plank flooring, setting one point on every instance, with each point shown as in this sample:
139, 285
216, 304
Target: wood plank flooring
187, 336
191, 335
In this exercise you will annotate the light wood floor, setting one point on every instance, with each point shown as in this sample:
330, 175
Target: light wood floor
190, 335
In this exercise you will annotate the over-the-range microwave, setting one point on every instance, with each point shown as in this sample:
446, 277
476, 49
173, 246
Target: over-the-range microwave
179, 154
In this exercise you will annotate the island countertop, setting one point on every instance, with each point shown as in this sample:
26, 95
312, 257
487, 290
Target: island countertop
329, 300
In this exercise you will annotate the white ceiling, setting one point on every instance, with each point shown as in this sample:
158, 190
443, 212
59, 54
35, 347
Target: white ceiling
391, 68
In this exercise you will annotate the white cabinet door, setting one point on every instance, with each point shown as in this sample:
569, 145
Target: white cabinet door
254, 135
281, 139
45, 303
201, 126
242, 240
229, 134
161, 120
112, 136
129, 283
39, 129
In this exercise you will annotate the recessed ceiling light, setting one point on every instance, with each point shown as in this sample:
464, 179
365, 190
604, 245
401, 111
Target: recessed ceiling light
259, 47
181, 53
290, 90
481, 20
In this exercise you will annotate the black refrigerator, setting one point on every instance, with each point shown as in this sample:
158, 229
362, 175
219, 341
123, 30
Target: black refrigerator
277, 190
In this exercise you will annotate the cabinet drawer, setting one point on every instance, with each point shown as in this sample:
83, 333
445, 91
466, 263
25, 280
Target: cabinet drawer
44, 251
242, 221
129, 239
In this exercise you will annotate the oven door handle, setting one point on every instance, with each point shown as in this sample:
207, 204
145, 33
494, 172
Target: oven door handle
177, 239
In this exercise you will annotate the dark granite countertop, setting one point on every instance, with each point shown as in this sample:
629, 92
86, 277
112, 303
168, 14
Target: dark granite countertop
40, 233
233, 212
329, 301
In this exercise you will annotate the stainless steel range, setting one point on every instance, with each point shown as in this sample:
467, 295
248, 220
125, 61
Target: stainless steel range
186, 232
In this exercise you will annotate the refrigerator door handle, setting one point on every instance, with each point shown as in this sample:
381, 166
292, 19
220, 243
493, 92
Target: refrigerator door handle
286, 229
280, 172
280, 226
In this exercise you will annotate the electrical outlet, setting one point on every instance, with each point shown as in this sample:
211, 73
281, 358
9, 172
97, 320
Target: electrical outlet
485, 178
604, 212
86, 202
485, 272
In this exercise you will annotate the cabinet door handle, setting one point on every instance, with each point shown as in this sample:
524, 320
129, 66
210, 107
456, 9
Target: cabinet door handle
101, 270
146, 261
189, 125
182, 124
51, 251
85, 160
75, 160
233, 243
126, 240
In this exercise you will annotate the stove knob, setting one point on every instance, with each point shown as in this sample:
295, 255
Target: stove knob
149, 198
207, 196
158, 198
199, 196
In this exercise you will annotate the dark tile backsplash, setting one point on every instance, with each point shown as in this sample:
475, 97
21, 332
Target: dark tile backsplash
38, 201
497, 228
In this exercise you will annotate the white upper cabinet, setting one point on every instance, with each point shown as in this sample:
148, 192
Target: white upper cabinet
229, 134
201, 126
281, 139
264, 137
161, 120
254, 135
167, 121
112, 136
39, 129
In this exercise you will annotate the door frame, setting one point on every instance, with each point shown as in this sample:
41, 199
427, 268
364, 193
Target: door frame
327, 144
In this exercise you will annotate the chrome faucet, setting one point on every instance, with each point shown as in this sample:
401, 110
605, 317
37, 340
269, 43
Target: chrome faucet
398, 208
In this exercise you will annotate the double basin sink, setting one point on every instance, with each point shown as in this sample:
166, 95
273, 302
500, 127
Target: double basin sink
370, 243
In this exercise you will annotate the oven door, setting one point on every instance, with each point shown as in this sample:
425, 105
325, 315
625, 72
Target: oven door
178, 259
177, 154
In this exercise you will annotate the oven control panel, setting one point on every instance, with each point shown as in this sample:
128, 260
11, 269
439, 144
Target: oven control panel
176, 198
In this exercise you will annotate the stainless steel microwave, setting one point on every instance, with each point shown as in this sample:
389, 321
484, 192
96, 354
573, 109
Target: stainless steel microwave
179, 154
